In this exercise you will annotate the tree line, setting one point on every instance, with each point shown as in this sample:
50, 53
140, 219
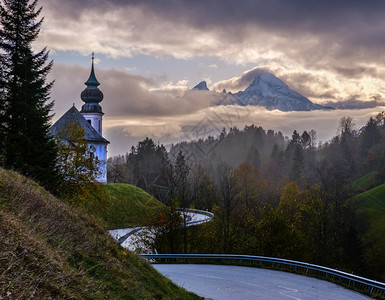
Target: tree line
271, 195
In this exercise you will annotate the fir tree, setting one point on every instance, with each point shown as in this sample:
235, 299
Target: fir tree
25, 101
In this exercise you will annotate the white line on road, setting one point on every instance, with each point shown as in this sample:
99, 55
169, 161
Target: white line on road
286, 288
289, 296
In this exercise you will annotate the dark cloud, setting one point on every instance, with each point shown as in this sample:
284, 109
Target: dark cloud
353, 22
356, 71
312, 15
125, 94
355, 104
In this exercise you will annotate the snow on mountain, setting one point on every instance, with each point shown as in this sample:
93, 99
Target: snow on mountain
202, 86
268, 91
271, 92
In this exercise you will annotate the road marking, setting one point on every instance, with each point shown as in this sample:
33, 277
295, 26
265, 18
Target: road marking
289, 289
252, 284
215, 277
289, 296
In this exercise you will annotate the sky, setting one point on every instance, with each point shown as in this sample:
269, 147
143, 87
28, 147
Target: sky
149, 54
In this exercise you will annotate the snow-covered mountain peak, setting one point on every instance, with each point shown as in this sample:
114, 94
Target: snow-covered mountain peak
264, 78
271, 92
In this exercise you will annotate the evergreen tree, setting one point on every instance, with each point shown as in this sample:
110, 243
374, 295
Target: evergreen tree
25, 105
3, 119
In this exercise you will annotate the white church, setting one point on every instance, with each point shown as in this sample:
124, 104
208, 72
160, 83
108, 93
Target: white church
90, 118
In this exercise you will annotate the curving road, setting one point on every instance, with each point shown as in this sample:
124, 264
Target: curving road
132, 238
235, 282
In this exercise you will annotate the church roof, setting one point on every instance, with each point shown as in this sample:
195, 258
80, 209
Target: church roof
73, 115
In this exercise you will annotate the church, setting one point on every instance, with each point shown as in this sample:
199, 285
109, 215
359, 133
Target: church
90, 118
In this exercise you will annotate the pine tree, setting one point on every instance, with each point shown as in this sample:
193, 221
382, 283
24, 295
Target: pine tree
25, 102
3, 119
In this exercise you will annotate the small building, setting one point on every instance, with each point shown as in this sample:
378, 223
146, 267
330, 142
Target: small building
90, 118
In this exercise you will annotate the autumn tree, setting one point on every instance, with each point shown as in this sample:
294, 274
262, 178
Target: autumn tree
227, 193
77, 164
166, 225
202, 188
250, 186
117, 170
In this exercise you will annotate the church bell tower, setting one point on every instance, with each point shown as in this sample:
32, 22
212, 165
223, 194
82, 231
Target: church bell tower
92, 96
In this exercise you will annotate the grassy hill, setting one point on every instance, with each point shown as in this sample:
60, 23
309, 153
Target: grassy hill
371, 206
370, 223
124, 205
50, 250
364, 183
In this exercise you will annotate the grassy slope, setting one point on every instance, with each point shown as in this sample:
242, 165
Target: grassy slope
49, 250
125, 206
364, 183
371, 206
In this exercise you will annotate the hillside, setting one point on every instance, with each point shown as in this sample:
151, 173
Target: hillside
125, 206
364, 183
370, 211
49, 250
371, 205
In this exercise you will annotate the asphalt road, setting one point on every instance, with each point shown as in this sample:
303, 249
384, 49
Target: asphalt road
235, 282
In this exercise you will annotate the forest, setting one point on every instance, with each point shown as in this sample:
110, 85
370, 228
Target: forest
271, 195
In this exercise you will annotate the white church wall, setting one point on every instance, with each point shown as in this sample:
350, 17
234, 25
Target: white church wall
95, 121
100, 151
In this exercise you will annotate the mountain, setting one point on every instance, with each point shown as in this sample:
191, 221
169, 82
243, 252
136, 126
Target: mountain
201, 86
268, 91
271, 92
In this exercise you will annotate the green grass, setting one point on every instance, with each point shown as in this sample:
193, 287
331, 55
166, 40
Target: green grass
364, 183
50, 250
369, 209
125, 206
370, 205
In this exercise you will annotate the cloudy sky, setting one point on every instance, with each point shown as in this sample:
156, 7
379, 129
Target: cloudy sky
149, 54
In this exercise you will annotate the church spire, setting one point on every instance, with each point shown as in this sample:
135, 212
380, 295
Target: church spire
91, 95
92, 81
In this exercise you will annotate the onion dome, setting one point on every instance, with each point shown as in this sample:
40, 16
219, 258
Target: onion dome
91, 95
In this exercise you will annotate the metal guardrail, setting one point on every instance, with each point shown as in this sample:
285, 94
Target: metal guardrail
361, 284
209, 215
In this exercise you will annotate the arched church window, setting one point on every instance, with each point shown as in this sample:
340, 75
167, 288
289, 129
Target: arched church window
100, 126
